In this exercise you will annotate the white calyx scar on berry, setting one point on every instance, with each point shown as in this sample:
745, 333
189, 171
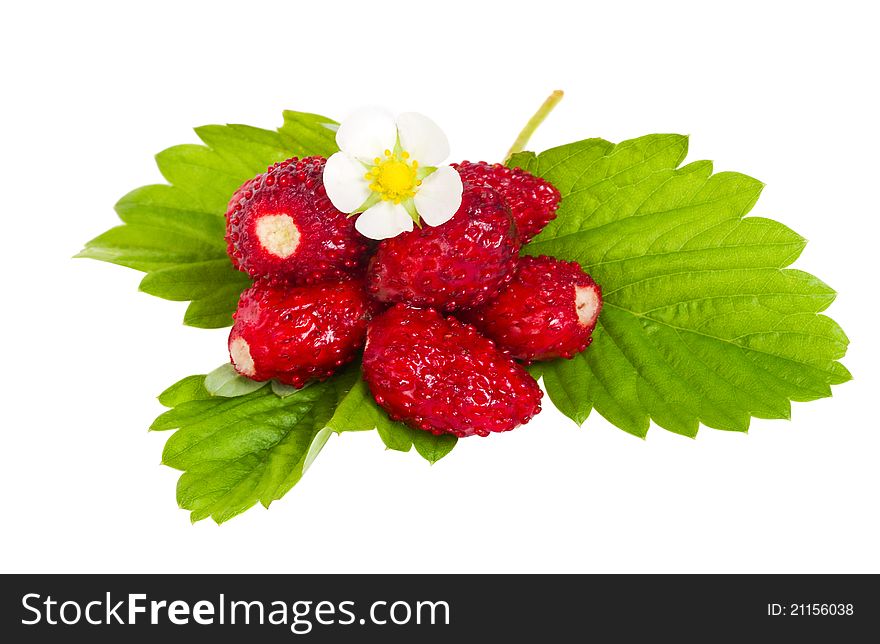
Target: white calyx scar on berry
387, 170
278, 234
241, 357
586, 302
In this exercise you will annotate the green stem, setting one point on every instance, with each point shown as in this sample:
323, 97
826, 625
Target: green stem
520, 144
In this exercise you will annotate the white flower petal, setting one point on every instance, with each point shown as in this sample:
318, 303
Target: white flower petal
384, 220
439, 196
422, 138
345, 183
367, 133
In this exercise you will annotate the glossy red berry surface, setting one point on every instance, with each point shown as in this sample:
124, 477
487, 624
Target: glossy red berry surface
532, 200
462, 263
548, 311
282, 225
298, 333
442, 376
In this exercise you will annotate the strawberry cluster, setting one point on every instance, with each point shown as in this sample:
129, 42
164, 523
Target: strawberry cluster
445, 316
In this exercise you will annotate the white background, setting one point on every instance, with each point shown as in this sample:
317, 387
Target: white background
783, 91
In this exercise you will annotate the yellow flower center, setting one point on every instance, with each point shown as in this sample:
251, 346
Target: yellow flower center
393, 177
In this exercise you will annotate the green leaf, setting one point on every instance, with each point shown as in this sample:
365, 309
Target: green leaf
703, 322
562, 380
226, 382
524, 160
357, 411
241, 448
396, 436
190, 388
280, 389
175, 233
215, 311
198, 280
309, 134
432, 447
236, 452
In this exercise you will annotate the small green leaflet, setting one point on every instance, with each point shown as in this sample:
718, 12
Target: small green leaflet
703, 322
175, 232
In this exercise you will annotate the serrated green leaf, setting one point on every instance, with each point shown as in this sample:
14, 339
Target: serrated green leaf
175, 232
253, 448
236, 452
703, 322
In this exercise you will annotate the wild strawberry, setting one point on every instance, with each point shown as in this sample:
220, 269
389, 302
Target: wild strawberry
532, 200
548, 311
282, 225
442, 376
298, 333
459, 264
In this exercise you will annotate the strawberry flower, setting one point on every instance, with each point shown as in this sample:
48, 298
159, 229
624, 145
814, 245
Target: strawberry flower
387, 171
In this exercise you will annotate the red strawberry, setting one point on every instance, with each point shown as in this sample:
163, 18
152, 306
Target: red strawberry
281, 224
442, 376
298, 333
244, 191
456, 265
549, 310
532, 200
